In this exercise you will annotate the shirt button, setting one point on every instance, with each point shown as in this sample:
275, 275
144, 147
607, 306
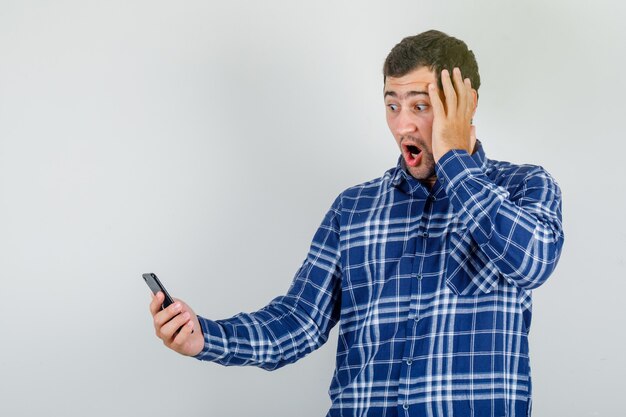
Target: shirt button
425, 234
409, 362
405, 406
418, 276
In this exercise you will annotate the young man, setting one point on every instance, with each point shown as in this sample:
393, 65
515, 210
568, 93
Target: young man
428, 269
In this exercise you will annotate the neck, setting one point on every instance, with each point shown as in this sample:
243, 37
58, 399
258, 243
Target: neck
430, 182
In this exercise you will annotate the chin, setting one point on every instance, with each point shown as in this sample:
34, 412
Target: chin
422, 174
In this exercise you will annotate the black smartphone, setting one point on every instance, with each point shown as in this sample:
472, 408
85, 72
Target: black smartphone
155, 285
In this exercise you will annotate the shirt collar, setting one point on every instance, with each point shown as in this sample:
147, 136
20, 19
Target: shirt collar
400, 177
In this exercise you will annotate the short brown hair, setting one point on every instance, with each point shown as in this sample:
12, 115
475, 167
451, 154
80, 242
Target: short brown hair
435, 50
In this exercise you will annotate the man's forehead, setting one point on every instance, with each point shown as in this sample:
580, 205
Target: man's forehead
416, 79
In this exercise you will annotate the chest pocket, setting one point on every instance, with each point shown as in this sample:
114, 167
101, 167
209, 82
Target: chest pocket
468, 270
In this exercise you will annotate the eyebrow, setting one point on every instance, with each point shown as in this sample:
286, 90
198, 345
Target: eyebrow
408, 94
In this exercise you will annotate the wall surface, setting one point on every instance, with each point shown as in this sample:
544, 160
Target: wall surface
205, 140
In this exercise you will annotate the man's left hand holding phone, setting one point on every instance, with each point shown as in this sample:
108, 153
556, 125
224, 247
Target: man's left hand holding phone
175, 322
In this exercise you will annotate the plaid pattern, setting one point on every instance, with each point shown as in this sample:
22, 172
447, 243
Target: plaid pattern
431, 289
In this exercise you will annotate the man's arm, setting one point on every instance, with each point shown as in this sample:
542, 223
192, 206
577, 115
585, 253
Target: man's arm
287, 329
520, 233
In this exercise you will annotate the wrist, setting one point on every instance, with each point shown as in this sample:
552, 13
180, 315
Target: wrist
440, 151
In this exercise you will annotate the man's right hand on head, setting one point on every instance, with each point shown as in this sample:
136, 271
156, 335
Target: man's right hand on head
174, 326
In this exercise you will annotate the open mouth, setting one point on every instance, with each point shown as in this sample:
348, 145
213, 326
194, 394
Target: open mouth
412, 155
413, 150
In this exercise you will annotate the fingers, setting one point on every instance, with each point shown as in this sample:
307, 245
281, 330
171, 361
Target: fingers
470, 105
171, 329
435, 101
449, 93
186, 308
461, 90
458, 93
163, 316
182, 336
169, 320
157, 301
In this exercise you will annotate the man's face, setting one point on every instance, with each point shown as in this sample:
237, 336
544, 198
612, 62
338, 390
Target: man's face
410, 119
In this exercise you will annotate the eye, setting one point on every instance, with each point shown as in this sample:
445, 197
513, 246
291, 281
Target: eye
421, 107
392, 107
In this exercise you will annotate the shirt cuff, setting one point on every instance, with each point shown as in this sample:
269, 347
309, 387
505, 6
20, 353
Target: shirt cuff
463, 181
474, 197
215, 343
455, 166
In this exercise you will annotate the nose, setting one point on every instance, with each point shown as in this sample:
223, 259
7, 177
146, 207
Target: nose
405, 123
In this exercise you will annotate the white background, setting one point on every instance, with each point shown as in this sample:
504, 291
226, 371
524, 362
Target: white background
205, 140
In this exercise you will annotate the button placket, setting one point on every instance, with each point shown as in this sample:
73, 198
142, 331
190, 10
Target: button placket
428, 208
416, 294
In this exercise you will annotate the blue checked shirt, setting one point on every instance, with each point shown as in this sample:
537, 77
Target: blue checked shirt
431, 288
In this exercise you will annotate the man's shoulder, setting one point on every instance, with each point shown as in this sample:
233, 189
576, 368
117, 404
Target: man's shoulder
362, 196
371, 189
511, 175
